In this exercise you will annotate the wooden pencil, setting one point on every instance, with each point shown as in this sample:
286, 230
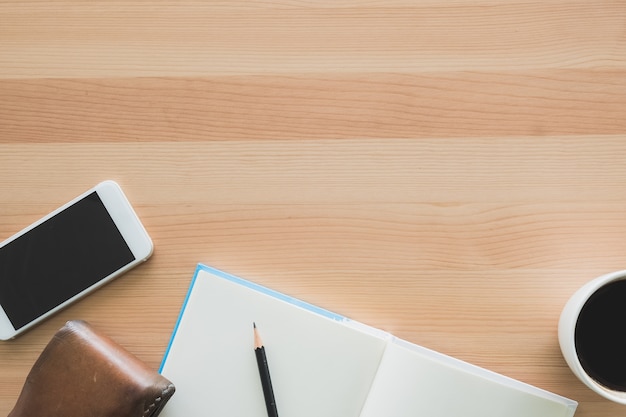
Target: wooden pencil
264, 373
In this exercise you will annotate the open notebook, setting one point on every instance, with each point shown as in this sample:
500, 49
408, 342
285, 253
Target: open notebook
321, 364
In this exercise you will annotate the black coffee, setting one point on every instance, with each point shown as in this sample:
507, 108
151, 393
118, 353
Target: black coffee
600, 336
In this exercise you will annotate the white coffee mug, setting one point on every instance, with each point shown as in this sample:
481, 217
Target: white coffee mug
567, 329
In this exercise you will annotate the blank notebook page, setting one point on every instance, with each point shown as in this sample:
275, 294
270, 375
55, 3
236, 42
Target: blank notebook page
414, 381
318, 365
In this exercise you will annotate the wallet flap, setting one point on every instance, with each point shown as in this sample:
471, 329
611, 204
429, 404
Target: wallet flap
82, 372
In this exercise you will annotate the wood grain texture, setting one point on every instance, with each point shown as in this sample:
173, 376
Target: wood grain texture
379, 105
448, 171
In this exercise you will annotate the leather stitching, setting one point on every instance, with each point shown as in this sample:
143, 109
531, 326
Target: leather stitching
148, 411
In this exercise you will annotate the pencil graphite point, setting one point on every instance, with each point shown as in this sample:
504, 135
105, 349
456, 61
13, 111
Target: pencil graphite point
258, 343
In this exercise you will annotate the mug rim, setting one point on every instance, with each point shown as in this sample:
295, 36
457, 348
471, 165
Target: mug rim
567, 328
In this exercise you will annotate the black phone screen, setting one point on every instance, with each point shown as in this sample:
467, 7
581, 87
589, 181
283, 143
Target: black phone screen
60, 258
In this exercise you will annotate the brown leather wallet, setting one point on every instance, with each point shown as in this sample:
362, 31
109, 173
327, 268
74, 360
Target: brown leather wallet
83, 373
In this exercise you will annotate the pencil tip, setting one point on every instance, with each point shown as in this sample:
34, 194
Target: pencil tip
257, 339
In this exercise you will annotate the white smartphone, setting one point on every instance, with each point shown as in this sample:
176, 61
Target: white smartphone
67, 254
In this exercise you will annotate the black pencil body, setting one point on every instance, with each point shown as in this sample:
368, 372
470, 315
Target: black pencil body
266, 382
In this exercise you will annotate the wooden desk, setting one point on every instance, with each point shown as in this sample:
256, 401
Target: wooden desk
448, 171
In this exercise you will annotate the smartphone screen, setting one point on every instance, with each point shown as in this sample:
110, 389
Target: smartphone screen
59, 258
